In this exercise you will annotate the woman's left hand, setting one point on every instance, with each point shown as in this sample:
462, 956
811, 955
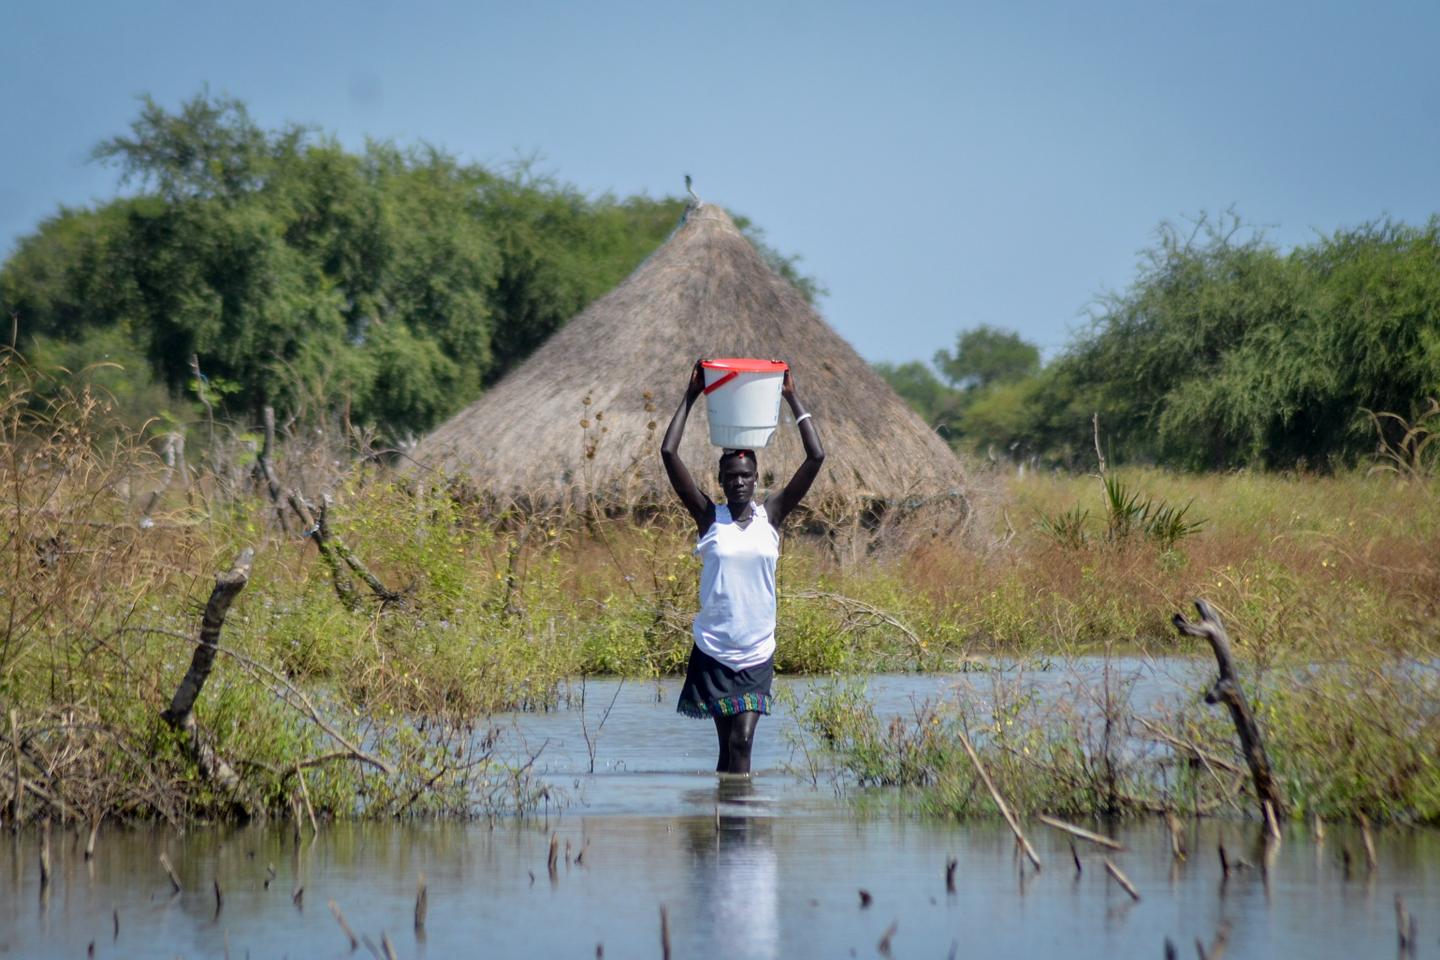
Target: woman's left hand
787, 386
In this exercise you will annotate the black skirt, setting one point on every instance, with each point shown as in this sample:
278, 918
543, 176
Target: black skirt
714, 690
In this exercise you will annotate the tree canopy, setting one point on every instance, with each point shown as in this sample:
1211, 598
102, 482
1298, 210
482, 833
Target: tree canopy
395, 283
1224, 352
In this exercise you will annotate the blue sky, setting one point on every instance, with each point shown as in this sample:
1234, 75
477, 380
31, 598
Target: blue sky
937, 165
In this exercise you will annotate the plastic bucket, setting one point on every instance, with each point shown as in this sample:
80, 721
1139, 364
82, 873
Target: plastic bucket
742, 401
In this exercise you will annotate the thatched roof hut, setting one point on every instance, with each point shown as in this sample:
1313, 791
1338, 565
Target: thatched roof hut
586, 412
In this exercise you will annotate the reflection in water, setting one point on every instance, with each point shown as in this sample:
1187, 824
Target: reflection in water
734, 895
749, 869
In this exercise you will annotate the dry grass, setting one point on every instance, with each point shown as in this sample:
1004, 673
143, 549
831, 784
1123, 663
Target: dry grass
109, 552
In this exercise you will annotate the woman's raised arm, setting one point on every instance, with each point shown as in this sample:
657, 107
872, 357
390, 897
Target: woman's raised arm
789, 498
696, 502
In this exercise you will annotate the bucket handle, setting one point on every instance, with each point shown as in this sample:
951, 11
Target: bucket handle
721, 382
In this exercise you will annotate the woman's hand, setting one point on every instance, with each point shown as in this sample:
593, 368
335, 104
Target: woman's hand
787, 386
696, 386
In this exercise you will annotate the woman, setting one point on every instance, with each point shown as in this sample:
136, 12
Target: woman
733, 659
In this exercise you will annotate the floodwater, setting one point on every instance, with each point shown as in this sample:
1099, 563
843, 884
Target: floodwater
770, 867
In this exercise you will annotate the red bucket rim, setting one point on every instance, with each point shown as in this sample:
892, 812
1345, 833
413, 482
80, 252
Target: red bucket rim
746, 365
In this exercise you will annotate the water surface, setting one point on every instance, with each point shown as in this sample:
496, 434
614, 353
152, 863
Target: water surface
764, 868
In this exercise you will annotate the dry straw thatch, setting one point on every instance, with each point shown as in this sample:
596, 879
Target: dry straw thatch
585, 414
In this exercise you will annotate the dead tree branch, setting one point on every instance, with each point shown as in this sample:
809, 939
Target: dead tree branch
180, 714
334, 551
1226, 689
318, 530
265, 469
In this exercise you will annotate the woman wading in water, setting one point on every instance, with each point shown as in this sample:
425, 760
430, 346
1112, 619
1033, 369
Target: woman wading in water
733, 660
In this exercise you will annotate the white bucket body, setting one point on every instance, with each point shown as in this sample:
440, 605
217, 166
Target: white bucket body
742, 401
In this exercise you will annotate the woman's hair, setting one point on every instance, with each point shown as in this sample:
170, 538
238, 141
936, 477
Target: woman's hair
739, 455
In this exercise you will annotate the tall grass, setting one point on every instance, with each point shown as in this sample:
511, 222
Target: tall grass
109, 551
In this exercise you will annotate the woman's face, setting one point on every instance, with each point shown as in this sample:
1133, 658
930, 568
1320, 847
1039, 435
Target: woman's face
737, 479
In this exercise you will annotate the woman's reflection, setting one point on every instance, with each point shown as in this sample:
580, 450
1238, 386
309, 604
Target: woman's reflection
733, 873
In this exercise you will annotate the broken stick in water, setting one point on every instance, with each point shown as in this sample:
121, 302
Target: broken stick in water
999, 800
422, 905
1406, 927
1272, 826
170, 872
950, 864
1080, 832
664, 932
1369, 841
1227, 690
1177, 838
1217, 946
344, 927
883, 947
1121, 879
44, 853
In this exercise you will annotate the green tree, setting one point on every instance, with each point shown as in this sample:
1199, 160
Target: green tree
918, 386
986, 356
393, 283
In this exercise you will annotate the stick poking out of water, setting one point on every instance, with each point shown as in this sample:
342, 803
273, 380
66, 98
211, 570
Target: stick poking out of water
1080, 832
999, 800
90, 839
950, 864
170, 872
664, 932
1369, 841
44, 853
1177, 838
1217, 946
1406, 926
422, 905
344, 927
884, 945
1121, 879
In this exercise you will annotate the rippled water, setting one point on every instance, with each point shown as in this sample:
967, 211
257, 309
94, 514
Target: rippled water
766, 868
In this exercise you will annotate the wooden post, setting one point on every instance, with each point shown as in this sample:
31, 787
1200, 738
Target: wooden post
1226, 690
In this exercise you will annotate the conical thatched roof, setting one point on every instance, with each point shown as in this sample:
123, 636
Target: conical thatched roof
705, 293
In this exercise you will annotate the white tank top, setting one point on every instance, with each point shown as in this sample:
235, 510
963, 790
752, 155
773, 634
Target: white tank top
736, 622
